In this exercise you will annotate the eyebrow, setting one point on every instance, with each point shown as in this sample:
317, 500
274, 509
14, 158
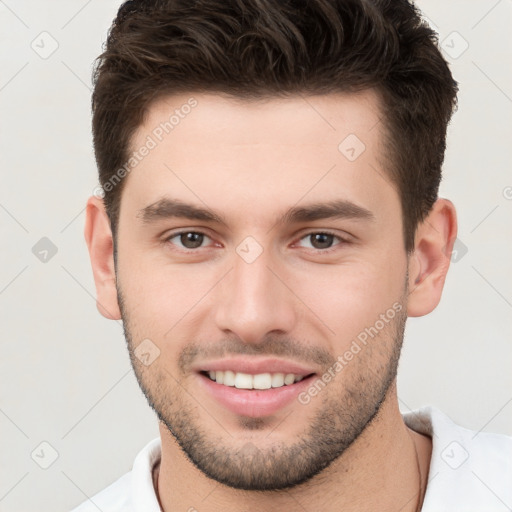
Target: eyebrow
166, 208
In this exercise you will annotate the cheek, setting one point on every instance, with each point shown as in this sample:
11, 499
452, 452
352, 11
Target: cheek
349, 298
159, 297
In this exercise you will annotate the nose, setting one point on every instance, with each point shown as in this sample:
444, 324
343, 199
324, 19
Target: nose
253, 301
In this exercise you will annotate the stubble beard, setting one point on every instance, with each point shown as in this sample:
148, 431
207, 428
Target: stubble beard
344, 412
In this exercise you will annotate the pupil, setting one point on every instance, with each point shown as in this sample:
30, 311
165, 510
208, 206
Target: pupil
321, 240
191, 240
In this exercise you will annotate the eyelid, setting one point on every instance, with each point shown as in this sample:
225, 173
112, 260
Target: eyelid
173, 234
342, 240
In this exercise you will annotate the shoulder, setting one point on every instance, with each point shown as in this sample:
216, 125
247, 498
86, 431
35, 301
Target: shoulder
115, 497
469, 470
134, 491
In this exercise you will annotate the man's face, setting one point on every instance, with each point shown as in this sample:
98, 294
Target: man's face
278, 253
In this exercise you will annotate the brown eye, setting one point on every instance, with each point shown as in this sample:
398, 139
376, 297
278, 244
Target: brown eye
188, 239
191, 240
320, 241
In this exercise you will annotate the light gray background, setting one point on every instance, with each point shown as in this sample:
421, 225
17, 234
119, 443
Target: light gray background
65, 373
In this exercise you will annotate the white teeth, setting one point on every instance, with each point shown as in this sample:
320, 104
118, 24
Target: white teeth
289, 378
258, 381
277, 380
262, 381
243, 381
229, 378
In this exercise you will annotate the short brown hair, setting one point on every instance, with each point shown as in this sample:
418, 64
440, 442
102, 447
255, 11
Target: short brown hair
261, 48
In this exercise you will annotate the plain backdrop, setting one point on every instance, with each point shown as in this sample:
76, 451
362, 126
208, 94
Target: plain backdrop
68, 398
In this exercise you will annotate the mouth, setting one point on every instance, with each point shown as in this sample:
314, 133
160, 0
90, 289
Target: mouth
260, 381
251, 388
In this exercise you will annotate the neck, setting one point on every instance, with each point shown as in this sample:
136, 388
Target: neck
379, 471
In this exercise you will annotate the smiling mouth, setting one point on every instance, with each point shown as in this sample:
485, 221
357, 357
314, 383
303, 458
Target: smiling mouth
260, 381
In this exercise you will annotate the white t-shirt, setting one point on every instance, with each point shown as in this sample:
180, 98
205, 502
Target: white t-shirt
469, 471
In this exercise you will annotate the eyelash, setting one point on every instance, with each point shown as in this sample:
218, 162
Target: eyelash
341, 240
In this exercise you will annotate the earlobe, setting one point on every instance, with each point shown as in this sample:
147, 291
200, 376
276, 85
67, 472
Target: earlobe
98, 237
430, 261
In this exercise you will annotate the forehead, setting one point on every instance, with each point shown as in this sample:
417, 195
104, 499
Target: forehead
211, 148
244, 121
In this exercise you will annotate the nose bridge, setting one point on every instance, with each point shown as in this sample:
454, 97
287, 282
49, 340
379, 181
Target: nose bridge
252, 301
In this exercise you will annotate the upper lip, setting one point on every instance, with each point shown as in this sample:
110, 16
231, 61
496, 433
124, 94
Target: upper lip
254, 366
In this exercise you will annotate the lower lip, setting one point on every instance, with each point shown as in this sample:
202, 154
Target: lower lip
254, 403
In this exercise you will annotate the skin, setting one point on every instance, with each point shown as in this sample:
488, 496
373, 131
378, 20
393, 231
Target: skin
250, 162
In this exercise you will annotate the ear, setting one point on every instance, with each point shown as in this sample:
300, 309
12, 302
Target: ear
429, 263
98, 236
